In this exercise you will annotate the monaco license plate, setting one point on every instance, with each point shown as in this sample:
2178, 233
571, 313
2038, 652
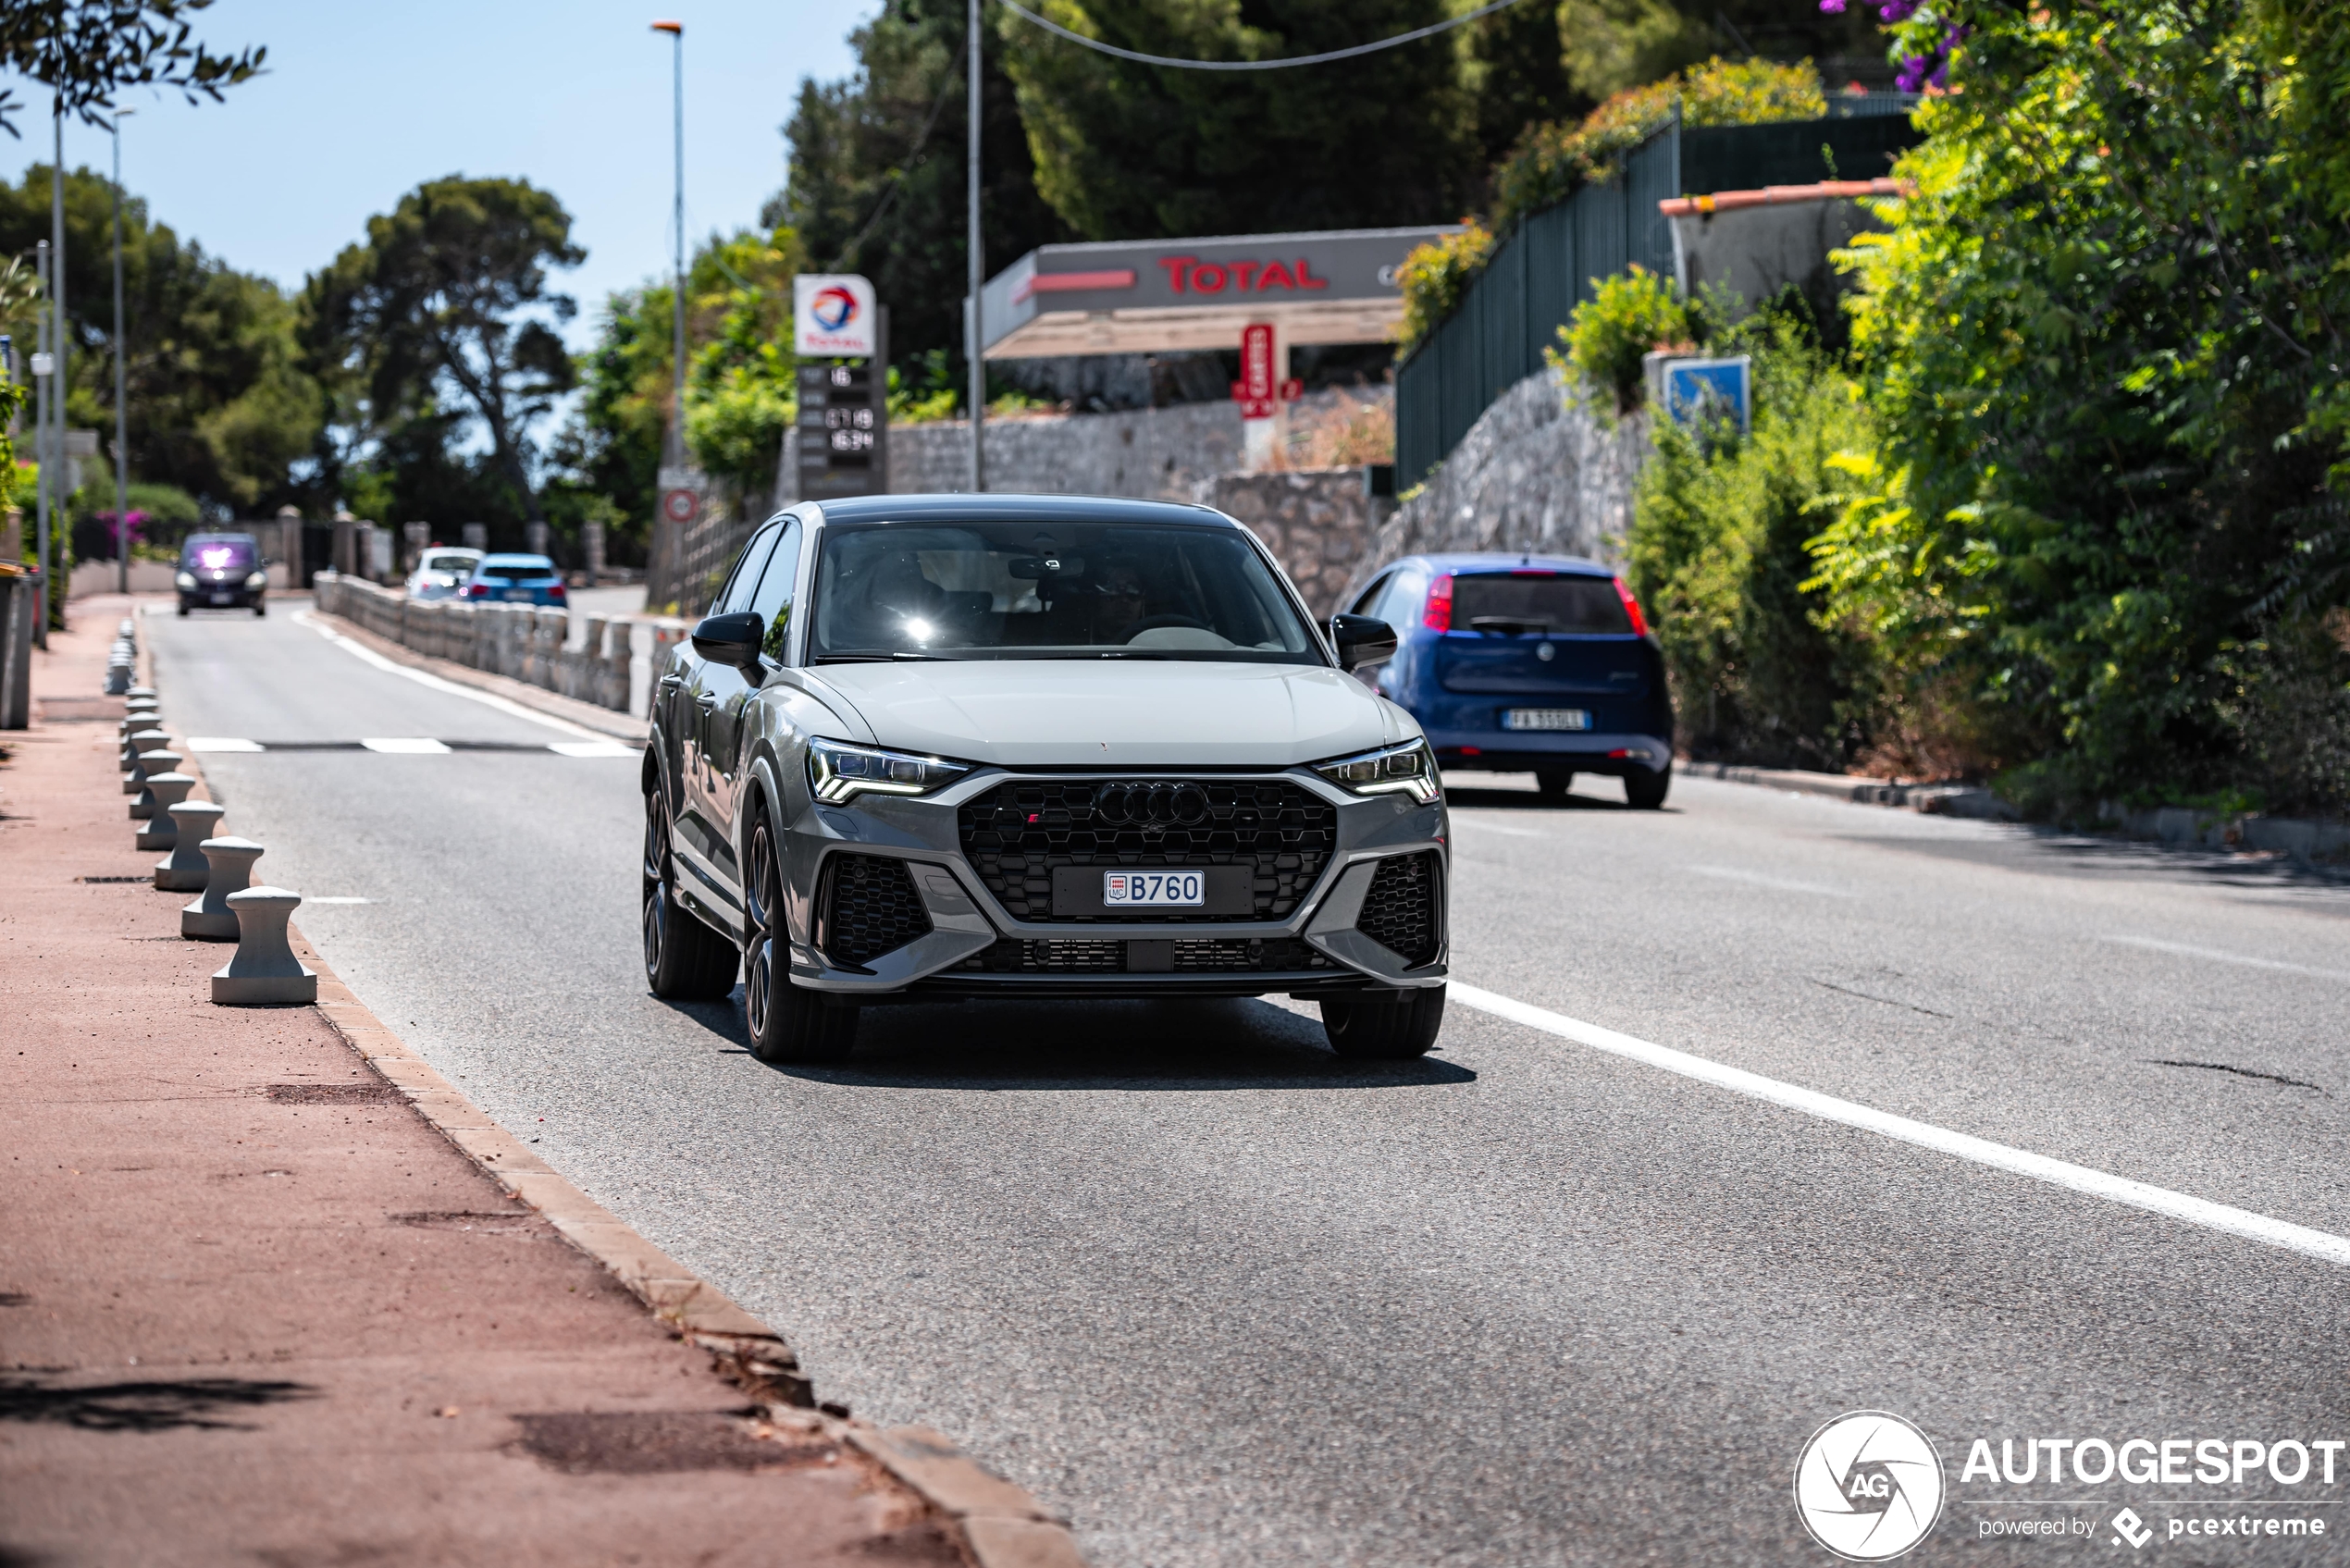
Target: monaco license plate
1126, 890
1546, 719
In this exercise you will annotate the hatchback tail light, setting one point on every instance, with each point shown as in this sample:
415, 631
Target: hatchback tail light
1438, 617
476, 590
556, 593
1632, 607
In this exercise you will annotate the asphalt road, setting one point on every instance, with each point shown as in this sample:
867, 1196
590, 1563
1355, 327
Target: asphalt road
1226, 1299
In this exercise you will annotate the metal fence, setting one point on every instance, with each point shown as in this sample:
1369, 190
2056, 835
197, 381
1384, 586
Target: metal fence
1551, 263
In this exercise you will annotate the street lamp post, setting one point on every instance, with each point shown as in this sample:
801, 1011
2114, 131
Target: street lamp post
975, 262
43, 366
676, 32
121, 419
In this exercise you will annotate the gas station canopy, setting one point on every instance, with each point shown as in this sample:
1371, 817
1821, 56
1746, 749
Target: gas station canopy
1150, 296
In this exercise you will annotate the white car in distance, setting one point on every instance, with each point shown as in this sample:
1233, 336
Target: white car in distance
441, 572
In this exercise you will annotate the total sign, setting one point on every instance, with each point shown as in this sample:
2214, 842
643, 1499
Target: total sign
833, 316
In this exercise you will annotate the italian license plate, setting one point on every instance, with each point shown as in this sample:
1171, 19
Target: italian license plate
1126, 890
1546, 719
222, 599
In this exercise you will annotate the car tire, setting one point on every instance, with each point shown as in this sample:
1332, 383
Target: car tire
1645, 791
685, 960
1554, 783
788, 1023
261, 609
183, 610
1385, 1031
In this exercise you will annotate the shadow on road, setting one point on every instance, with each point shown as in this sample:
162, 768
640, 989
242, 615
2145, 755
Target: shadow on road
1527, 800
1207, 1044
2061, 852
146, 1406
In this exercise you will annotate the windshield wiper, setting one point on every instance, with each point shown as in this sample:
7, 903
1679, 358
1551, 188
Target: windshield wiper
876, 658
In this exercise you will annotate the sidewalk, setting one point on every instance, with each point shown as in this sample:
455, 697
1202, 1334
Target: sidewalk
255, 1308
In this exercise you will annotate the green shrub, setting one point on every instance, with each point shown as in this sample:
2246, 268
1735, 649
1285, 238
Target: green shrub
1718, 555
1611, 331
1434, 276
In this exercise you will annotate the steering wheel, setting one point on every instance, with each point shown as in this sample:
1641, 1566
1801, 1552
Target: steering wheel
1154, 622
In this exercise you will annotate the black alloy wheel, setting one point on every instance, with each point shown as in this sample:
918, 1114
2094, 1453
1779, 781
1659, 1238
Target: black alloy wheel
788, 1023
1645, 791
1385, 1031
685, 960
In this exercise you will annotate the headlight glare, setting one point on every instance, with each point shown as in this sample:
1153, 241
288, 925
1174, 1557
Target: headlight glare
839, 771
1408, 769
256, 579
184, 580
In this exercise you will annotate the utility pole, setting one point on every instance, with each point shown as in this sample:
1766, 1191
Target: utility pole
121, 419
57, 452
45, 366
977, 261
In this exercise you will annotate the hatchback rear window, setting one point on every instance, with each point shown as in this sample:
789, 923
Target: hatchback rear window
1538, 602
517, 574
449, 562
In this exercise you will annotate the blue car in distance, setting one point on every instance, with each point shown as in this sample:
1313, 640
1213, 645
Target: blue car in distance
1527, 664
517, 579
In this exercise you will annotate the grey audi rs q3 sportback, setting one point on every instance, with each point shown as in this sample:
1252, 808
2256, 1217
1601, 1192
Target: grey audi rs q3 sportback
1036, 747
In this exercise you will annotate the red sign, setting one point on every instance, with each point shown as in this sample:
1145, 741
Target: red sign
680, 506
1191, 275
1257, 392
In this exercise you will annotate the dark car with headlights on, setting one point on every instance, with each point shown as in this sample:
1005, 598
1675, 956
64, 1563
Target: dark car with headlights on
928, 747
222, 572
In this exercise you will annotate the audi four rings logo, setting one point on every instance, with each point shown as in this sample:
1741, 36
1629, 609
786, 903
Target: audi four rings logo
1868, 1486
1152, 805
834, 308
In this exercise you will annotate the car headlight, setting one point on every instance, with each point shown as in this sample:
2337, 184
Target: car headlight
256, 579
838, 771
185, 580
1409, 769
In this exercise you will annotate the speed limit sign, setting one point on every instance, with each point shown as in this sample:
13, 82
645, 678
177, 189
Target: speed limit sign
680, 506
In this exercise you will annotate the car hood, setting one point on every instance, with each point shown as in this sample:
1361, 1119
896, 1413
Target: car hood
1049, 712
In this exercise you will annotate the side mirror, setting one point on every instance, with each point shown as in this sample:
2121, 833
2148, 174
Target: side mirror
731, 639
1362, 640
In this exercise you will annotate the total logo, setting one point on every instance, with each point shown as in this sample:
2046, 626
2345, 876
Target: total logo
1868, 1486
834, 308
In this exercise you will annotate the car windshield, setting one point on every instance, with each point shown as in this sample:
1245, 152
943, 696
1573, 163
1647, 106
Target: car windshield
215, 553
1539, 602
1067, 590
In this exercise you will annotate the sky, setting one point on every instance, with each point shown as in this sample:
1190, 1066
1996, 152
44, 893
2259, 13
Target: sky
364, 101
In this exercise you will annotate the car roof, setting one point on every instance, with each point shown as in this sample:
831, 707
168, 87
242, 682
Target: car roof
992, 506
215, 539
454, 549
1498, 561
517, 560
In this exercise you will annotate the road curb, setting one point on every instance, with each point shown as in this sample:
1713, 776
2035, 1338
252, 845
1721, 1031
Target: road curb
571, 710
1945, 800
1000, 1525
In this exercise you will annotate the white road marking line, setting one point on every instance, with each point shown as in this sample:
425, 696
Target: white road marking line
1483, 826
222, 743
404, 746
1730, 873
2216, 956
591, 748
2221, 1218
310, 901
450, 688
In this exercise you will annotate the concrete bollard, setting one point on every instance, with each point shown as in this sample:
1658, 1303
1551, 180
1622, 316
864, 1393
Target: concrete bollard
168, 790
117, 677
185, 869
127, 627
135, 693
141, 742
263, 972
229, 863
152, 766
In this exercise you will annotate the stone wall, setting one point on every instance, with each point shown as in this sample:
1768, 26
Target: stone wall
611, 664
1540, 472
1317, 522
1151, 453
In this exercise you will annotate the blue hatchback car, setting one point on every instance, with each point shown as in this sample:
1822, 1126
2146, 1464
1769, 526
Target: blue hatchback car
1527, 664
517, 579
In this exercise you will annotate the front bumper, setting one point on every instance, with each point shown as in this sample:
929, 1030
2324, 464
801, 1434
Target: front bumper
1316, 949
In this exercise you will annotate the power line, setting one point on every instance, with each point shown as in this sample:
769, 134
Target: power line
1095, 44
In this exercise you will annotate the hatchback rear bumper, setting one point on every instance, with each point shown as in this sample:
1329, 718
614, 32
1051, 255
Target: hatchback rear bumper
1573, 751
